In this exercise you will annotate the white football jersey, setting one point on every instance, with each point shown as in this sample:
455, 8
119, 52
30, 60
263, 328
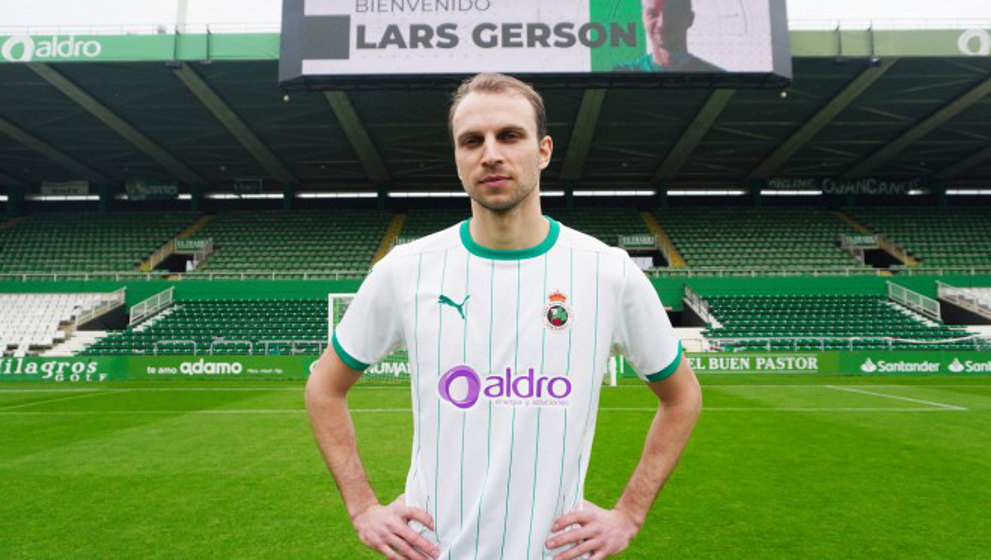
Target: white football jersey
507, 353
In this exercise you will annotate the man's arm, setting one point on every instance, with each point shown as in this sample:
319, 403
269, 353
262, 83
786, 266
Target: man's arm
606, 532
382, 528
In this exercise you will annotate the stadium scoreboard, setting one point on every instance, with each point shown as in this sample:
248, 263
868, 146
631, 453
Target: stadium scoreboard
327, 42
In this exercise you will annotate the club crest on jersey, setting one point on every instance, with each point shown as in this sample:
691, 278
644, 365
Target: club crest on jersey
558, 315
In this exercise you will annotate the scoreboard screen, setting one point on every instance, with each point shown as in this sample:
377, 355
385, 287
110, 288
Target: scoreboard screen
680, 38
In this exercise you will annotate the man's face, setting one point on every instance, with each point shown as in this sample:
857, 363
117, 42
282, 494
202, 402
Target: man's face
498, 154
666, 23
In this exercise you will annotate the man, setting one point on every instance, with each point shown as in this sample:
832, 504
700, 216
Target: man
509, 318
666, 23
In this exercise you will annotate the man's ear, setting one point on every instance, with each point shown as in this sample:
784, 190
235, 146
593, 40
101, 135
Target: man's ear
545, 148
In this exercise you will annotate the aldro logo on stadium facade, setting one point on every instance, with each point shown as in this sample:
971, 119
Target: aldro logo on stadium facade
462, 386
24, 48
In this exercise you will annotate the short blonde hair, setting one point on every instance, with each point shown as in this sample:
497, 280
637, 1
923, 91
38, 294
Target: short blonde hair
500, 83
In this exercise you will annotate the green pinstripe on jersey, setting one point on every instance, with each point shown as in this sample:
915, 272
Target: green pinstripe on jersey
488, 427
536, 441
567, 372
512, 437
464, 357
591, 386
416, 371
440, 331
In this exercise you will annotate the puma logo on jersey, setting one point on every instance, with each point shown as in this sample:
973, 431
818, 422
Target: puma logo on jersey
444, 300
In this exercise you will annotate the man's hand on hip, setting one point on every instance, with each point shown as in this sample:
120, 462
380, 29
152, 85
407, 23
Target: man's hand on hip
386, 529
600, 533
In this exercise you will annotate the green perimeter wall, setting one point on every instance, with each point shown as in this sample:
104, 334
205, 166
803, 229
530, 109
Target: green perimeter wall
669, 289
140, 290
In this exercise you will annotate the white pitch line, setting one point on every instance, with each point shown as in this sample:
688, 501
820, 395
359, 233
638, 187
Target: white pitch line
907, 399
46, 401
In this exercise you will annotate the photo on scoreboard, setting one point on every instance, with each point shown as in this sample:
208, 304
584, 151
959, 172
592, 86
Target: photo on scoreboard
340, 38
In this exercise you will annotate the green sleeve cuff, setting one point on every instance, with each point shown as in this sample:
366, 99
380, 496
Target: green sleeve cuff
348, 359
668, 371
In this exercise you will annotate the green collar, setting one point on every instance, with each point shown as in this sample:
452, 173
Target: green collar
510, 254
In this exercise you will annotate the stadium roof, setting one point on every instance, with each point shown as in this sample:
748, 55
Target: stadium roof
207, 109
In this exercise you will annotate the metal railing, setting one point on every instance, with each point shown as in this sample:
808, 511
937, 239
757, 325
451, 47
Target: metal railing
116, 299
150, 306
174, 342
343, 274
267, 347
754, 271
975, 300
698, 304
236, 343
914, 300
160, 255
943, 270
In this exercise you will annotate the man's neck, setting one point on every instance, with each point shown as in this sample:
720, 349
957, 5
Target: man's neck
666, 58
520, 228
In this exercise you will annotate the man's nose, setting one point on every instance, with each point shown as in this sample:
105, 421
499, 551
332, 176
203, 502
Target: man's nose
491, 154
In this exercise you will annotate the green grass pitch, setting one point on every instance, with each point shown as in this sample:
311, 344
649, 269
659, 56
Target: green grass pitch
779, 467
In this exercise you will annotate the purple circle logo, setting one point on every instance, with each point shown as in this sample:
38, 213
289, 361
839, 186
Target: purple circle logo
471, 378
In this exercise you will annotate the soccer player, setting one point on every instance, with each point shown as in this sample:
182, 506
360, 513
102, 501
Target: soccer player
509, 319
666, 23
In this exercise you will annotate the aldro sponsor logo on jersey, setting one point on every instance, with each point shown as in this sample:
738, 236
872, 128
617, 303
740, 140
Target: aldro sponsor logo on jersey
23, 48
463, 387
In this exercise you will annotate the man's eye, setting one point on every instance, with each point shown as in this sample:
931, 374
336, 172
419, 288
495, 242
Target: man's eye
469, 142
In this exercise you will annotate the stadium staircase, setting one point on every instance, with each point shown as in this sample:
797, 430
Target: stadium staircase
830, 322
86, 242
391, 235
668, 248
944, 237
168, 249
11, 222
224, 326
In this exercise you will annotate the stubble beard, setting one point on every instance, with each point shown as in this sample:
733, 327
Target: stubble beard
504, 207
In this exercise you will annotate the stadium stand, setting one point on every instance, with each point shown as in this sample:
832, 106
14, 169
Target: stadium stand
424, 222
813, 322
86, 241
605, 224
224, 326
757, 237
29, 322
937, 237
293, 241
